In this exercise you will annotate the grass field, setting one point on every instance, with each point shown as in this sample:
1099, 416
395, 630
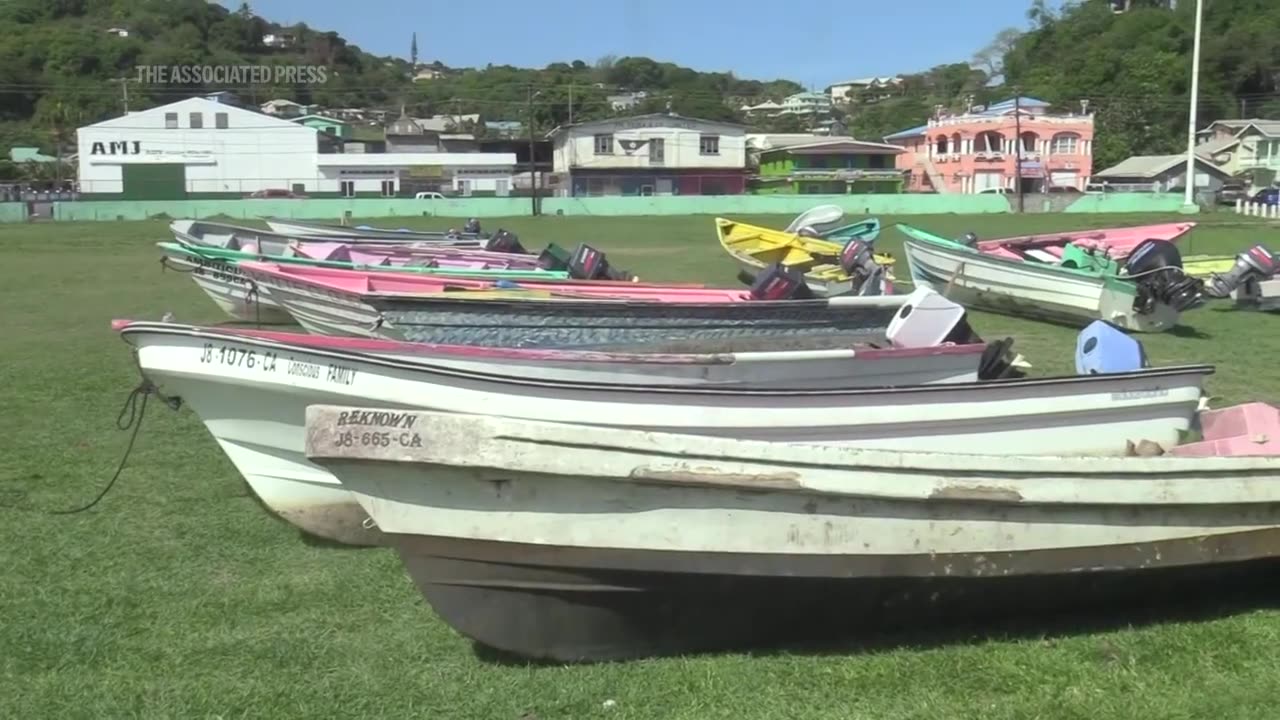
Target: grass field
178, 596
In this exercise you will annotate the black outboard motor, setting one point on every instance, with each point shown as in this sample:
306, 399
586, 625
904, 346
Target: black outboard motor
1156, 266
472, 226
1256, 263
970, 239
864, 272
553, 257
779, 282
588, 263
504, 241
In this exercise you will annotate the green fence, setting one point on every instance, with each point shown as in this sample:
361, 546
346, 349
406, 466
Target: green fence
333, 209
13, 212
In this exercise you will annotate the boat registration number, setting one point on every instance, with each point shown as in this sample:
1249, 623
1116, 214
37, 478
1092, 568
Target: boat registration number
377, 429
271, 362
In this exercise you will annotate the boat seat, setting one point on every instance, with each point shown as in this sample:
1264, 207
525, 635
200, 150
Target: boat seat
825, 268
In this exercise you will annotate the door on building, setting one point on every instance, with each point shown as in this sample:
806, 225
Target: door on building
502, 187
154, 181
464, 188
664, 186
1065, 178
657, 151
646, 190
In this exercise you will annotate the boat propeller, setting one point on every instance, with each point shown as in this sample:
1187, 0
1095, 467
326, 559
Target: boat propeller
779, 282
857, 260
1256, 263
505, 241
1155, 266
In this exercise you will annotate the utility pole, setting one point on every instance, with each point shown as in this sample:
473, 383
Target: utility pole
124, 90
1017, 144
570, 102
1189, 197
533, 168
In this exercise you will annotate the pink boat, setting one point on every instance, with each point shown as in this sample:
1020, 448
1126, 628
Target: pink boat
1118, 242
362, 282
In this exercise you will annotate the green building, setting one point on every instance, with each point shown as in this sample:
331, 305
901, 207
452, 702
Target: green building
829, 167
326, 125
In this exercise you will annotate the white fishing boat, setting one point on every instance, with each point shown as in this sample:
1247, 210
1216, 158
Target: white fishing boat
1064, 283
251, 392
573, 543
234, 292
365, 233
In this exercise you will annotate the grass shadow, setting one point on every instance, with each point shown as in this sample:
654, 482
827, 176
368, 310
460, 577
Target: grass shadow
1186, 331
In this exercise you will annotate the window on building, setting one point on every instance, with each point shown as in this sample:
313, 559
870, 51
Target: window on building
171, 121
220, 121
604, 144
1065, 144
878, 162
347, 188
388, 188
709, 145
197, 121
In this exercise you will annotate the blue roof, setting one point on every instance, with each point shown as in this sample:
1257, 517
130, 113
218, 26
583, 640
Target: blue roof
1003, 105
907, 133
993, 109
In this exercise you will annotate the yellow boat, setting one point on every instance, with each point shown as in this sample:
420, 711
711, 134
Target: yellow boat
1204, 266
754, 248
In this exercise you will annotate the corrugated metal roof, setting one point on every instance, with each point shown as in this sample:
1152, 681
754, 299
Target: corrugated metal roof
1150, 166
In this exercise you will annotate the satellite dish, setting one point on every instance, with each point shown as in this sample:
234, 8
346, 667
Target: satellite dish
816, 217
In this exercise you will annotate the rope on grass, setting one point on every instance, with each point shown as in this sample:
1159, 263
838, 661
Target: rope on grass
130, 417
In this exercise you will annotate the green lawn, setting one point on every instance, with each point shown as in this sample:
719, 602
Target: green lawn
178, 596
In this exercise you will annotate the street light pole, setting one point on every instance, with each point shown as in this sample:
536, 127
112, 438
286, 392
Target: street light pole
1189, 198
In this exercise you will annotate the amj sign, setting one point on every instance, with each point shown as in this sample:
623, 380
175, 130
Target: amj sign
125, 147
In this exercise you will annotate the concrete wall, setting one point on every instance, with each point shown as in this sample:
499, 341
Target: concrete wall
728, 205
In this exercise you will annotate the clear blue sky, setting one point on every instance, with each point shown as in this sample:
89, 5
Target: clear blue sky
814, 42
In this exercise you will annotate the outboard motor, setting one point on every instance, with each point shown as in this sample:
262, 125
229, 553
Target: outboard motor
588, 263
504, 241
1256, 263
472, 226
553, 257
779, 282
1156, 267
860, 264
927, 319
970, 239
1104, 348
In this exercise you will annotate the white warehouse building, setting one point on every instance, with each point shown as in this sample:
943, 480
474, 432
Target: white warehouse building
197, 149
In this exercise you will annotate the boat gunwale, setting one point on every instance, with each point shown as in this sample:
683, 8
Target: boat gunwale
171, 329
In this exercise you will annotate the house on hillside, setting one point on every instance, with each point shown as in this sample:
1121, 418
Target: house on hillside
872, 89
626, 101
806, 103
1161, 173
829, 167
978, 150
655, 154
283, 108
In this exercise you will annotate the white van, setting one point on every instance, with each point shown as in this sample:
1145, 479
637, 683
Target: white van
428, 196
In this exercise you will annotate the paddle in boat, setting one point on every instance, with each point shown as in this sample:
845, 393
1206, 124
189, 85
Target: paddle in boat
830, 267
1067, 283
573, 543
251, 391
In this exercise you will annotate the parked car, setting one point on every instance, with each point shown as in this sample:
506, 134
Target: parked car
1229, 193
428, 196
1070, 189
1267, 196
995, 190
275, 193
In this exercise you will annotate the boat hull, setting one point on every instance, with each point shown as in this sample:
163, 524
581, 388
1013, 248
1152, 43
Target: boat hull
320, 230
235, 293
1025, 290
252, 395
549, 542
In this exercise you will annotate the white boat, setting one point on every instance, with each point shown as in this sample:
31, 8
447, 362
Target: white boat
234, 292
574, 543
251, 393
359, 233
1073, 288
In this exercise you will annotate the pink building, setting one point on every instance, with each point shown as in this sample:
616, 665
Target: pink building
975, 152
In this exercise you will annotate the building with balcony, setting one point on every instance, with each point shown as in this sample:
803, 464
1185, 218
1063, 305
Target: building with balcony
655, 154
979, 150
828, 167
